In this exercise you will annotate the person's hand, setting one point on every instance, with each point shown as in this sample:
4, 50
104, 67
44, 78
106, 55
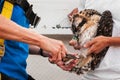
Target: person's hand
68, 62
75, 44
55, 48
74, 11
67, 67
97, 44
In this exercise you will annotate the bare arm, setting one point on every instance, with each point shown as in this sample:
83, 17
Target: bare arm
11, 31
114, 41
15, 32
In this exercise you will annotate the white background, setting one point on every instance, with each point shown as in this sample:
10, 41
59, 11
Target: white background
52, 13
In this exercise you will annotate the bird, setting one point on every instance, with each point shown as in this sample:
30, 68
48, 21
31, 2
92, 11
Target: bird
86, 25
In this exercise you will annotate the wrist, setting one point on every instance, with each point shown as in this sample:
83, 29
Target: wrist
42, 41
108, 41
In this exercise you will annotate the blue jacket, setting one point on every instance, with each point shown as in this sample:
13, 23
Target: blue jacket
13, 63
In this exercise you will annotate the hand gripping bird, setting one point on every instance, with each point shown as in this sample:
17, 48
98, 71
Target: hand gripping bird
86, 25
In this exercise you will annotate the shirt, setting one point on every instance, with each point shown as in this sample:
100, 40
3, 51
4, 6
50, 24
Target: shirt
109, 68
13, 63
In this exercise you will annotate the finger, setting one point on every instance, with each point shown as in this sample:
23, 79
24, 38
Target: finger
88, 44
53, 58
75, 44
62, 66
63, 51
91, 49
59, 56
71, 64
77, 47
98, 50
72, 42
51, 61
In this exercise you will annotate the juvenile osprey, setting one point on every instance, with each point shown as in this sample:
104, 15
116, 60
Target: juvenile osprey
86, 25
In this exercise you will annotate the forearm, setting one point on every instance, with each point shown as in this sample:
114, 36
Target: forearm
11, 31
114, 41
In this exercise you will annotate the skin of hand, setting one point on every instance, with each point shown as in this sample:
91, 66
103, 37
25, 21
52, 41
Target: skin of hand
74, 11
35, 51
56, 50
70, 65
67, 67
97, 44
94, 46
75, 44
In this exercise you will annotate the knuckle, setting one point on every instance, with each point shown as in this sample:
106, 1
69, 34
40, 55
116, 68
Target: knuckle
61, 43
57, 50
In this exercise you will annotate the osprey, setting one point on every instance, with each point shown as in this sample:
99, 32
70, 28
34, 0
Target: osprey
86, 25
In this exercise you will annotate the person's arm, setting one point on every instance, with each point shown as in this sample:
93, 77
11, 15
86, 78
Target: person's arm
114, 41
12, 31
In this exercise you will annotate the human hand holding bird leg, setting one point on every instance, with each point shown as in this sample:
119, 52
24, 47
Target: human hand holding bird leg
97, 44
68, 62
